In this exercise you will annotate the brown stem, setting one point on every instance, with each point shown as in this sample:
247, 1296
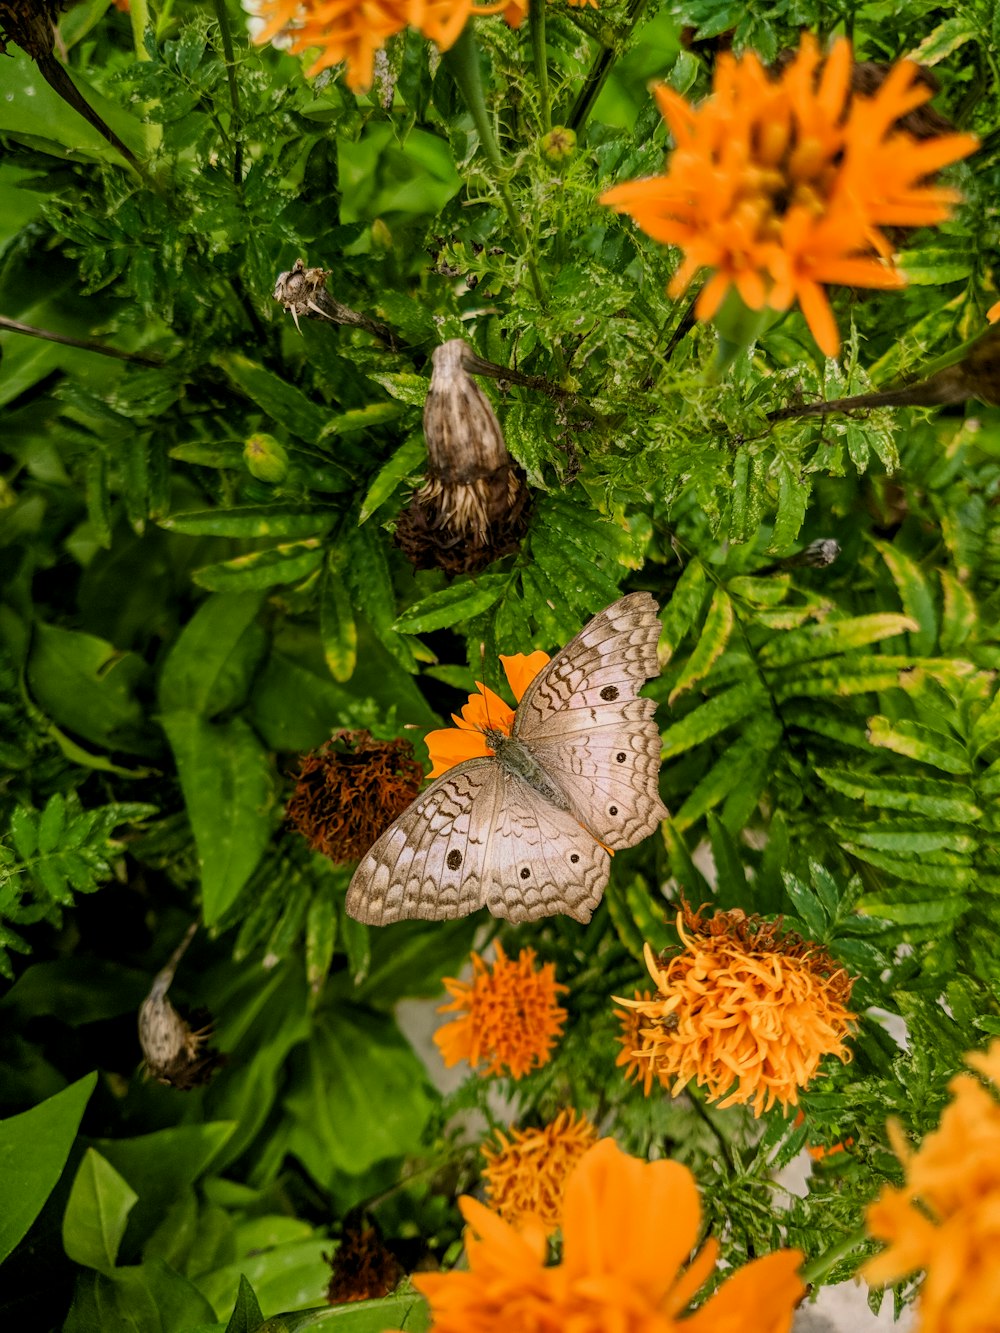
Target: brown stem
59, 81
15, 326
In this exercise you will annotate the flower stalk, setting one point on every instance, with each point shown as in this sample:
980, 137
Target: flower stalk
536, 20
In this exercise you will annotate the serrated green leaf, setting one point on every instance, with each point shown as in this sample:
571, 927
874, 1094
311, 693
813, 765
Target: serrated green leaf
863, 673
51, 824
404, 386
366, 572
337, 626
262, 569
747, 755
682, 610
251, 521
832, 636
959, 613
910, 795
944, 39
731, 881
806, 906
793, 500
915, 594
360, 419
919, 742
24, 831
942, 911
284, 404
951, 877
713, 717
710, 646
452, 605
407, 459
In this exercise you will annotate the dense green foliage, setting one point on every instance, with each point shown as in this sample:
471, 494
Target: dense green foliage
176, 630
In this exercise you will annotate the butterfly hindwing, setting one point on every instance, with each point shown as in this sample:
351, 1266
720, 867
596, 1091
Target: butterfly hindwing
431, 863
583, 720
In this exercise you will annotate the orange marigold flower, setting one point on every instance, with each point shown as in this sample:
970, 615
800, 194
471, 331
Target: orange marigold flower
510, 1017
526, 1175
742, 1004
352, 31
485, 711
629, 1228
781, 183
946, 1217
636, 1052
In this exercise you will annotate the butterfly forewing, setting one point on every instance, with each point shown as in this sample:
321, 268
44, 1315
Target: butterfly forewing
584, 722
432, 863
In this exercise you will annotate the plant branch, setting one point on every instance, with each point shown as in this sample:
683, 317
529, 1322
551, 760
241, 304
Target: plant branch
234, 88
536, 19
87, 344
601, 68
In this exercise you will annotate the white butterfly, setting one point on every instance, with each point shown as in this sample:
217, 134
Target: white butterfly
530, 830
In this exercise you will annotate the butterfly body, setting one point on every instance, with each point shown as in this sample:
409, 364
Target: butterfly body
529, 830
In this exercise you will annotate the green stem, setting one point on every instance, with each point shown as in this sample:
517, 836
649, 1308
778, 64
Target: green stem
139, 17
816, 1270
536, 19
463, 62
234, 87
601, 68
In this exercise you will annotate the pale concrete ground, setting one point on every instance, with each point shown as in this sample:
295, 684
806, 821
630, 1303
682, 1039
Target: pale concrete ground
840, 1309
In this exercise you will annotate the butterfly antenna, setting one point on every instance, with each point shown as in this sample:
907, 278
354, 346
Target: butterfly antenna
482, 672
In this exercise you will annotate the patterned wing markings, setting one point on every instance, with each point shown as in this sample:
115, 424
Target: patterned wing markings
584, 722
542, 861
432, 863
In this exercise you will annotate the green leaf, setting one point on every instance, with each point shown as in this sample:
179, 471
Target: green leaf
361, 419
150, 1298
96, 1214
228, 787
911, 795
246, 1316
405, 387
209, 668
959, 613
453, 605
731, 880
86, 684
862, 673
262, 569
366, 571
682, 610
919, 742
406, 1311
284, 404
24, 831
337, 626
915, 594
944, 39
713, 716
51, 824
34, 1147
251, 521
833, 636
806, 907
404, 462
711, 644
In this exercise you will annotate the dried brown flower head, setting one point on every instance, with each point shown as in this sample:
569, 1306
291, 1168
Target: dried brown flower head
350, 790
473, 507
30, 24
176, 1053
362, 1268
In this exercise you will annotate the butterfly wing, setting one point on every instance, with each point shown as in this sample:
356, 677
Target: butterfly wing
583, 720
433, 861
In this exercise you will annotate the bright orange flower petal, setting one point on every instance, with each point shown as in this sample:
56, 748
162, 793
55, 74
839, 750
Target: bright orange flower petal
521, 669
450, 746
770, 1287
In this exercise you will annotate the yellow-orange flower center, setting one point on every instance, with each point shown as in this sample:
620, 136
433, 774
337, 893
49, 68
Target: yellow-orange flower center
484, 711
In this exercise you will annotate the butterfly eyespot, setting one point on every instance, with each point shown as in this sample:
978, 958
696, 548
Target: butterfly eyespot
525, 873
612, 809
574, 858
621, 756
453, 860
609, 692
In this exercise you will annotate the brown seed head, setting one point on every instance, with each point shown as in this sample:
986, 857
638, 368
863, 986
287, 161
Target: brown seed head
176, 1054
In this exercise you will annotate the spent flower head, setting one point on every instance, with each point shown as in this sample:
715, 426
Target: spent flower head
509, 1017
743, 1010
782, 183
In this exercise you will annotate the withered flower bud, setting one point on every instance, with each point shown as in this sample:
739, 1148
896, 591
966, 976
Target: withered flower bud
362, 1268
350, 790
30, 24
302, 292
175, 1053
473, 506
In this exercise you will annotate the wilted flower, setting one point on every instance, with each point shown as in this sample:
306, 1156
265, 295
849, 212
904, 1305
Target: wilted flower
509, 1015
350, 790
175, 1052
629, 1229
946, 1217
473, 507
485, 711
526, 1174
352, 31
362, 1268
742, 1004
781, 183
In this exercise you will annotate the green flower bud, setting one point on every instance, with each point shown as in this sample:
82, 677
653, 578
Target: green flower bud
265, 458
559, 144
381, 235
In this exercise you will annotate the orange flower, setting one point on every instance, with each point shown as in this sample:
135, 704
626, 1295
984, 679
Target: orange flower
993, 314
485, 711
782, 183
629, 1228
509, 1015
526, 1175
516, 11
352, 31
742, 1004
817, 1151
946, 1217
635, 1055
